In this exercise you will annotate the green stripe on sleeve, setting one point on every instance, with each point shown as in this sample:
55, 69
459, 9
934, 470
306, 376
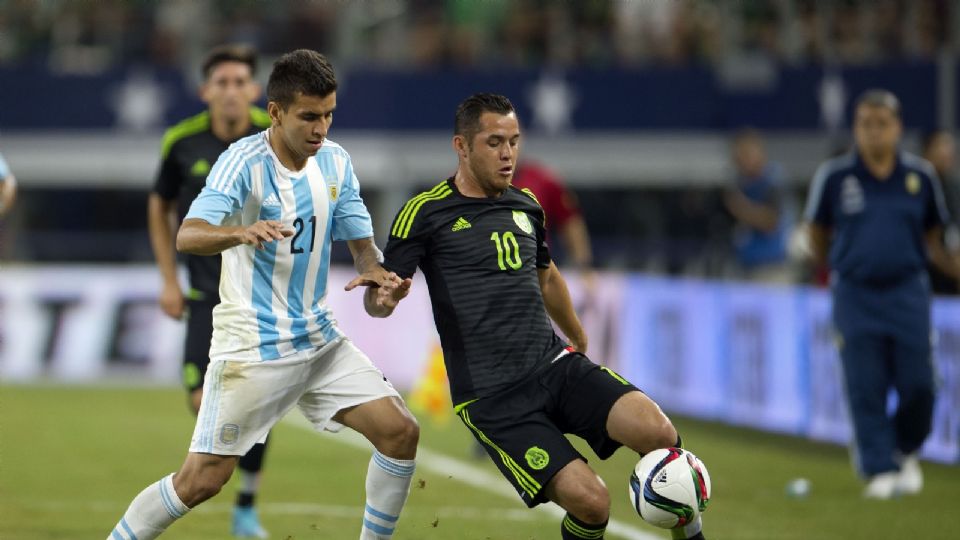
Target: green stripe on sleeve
401, 228
259, 117
190, 126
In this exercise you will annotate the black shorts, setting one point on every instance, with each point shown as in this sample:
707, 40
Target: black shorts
196, 350
523, 428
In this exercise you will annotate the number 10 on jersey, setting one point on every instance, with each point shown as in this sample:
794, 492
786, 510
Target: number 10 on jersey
508, 250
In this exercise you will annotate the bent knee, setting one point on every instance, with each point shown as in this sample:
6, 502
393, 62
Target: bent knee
593, 504
401, 438
201, 487
407, 433
209, 487
665, 434
660, 434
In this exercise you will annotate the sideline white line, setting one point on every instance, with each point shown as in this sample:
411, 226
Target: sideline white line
467, 473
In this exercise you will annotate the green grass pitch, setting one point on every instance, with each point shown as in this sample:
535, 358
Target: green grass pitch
71, 459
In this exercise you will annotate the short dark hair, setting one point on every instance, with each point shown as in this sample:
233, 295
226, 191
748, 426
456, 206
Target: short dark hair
243, 54
467, 120
878, 97
304, 71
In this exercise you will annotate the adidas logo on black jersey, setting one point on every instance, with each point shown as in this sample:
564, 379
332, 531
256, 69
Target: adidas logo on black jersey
461, 224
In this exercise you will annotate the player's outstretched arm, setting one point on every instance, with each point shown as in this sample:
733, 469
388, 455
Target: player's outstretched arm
161, 222
556, 298
198, 237
940, 258
819, 242
384, 289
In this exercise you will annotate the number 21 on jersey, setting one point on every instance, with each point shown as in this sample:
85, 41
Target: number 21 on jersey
508, 250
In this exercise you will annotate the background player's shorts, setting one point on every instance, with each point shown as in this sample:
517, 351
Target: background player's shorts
523, 427
243, 400
196, 350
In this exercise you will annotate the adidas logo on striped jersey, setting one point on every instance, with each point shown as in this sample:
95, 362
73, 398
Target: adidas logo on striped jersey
271, 200
461, 224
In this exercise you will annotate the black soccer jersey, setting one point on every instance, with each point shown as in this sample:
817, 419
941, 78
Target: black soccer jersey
189, 150
480, 258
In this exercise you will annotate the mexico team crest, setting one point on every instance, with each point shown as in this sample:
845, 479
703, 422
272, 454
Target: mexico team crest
537, 458
522, 221
913, 183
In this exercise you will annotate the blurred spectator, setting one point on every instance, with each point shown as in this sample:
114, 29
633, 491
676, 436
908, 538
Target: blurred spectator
757, 203
8, 187
939, 149
561, 210
89, 37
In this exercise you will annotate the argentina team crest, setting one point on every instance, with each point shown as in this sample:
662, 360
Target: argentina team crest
333, 192
229, 433
522, 221
913, 183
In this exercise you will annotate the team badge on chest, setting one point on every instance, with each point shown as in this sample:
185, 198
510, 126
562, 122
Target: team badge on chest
913, 183
522, 221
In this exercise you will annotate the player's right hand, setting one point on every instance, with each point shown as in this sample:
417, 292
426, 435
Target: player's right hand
391, 294
171, 300
264, 231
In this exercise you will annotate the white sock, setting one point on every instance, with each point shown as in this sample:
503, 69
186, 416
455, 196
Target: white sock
151, 512
689, 530
249, 481
388, 483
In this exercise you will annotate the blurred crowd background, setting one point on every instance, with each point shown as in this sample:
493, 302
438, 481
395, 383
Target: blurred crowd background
657, 114
86, 37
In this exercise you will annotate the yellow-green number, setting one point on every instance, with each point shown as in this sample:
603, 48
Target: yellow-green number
508, 250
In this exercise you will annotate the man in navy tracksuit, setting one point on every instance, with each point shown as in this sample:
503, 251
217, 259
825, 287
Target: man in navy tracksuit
877, 214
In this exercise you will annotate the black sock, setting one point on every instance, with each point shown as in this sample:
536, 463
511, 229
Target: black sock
574, 529
252, 461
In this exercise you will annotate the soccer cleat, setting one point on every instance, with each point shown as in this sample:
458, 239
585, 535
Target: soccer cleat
246, 524
910, 480
882, 486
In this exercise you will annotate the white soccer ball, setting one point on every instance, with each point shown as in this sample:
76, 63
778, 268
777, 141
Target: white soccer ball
669, 487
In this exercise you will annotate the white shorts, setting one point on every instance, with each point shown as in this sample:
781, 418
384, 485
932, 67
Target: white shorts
243, 400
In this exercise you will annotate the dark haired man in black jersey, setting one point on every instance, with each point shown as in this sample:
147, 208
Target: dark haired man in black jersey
189, 150
516, 385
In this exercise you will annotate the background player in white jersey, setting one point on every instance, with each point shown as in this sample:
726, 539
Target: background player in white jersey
272, 205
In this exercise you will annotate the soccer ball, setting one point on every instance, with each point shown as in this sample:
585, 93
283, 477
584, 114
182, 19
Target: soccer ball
669, 488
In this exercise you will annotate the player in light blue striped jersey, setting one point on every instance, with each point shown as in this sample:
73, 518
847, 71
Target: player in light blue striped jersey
272, 205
